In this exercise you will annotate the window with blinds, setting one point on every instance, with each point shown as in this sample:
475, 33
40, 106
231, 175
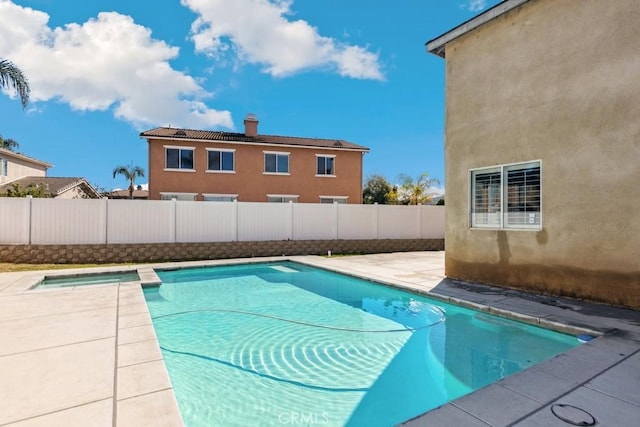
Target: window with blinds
486, 206
522, 196
506, 196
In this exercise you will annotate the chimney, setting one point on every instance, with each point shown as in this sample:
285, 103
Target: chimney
251, 125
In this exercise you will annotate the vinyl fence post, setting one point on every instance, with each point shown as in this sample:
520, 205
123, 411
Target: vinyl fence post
106, 220
419, 225
30, 220
290, 225
336, 223
235, 220
377, 220
175, 219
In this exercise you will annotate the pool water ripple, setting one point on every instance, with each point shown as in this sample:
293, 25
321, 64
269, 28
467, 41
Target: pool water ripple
253, 345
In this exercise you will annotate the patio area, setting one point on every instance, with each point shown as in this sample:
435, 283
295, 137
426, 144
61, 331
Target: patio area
74, 354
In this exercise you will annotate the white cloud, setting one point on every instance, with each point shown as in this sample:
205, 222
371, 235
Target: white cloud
475, 5
262, 32
108, 62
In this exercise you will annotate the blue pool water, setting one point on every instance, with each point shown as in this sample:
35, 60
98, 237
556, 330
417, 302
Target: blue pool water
283, 343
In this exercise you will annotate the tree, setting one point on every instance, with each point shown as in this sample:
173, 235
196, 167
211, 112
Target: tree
392, 196
12, 77
130, 173
376, 190
8, 144
102, 191
416, 192
30, 190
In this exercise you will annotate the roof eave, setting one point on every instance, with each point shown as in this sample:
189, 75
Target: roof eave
267, 144
26, 158
437, 45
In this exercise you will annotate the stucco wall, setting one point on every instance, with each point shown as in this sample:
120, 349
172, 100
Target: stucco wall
249, 182
74, 193
559, 81
19, 168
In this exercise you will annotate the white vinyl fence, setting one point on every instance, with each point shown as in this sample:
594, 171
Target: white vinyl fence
83, 221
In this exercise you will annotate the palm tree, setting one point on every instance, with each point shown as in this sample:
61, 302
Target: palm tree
8, 144
417, 191
130, 173
12, 77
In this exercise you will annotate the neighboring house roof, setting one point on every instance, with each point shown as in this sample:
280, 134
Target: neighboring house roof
124, 194
12, 154
218, 136
53, 186
437, 45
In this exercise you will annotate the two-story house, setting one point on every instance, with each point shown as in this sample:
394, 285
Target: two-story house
16, 165
20, 171
542, 147
207, 165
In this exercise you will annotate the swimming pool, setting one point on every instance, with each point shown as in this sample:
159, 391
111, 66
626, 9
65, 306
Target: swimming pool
84, 279
283, 343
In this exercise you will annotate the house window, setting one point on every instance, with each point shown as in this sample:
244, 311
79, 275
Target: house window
4, 167
334, 199
179, 158
276, 162
325, 165
282, 198
178, 196
220, 160
485, 193
220, 197
506, 196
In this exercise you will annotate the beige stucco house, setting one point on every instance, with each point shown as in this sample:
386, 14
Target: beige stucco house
20, 171
187, 164
55, 187
542, 147
16, 165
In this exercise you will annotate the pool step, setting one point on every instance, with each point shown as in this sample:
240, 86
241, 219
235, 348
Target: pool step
148, 277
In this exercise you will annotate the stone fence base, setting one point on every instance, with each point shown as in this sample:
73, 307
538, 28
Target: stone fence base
162, 252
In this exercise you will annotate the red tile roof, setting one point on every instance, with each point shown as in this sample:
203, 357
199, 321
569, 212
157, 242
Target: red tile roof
211, 135
124, 194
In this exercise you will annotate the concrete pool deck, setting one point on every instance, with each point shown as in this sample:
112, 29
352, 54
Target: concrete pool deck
88, 355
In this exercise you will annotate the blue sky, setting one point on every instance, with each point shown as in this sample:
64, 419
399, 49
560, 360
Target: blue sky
102, 71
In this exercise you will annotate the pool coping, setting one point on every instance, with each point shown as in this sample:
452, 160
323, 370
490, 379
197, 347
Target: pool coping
617, 345
577, 373
146, 276
509, 314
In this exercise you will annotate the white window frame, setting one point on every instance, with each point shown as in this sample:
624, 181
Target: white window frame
501, 218
170, 195
277, 153
222, 150
335, 199
206, 196
326, 175
4, 167
179, 147
285, 198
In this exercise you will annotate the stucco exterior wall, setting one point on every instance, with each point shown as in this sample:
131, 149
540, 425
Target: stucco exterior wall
19, 168
556, 81
249, 182
74, 193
